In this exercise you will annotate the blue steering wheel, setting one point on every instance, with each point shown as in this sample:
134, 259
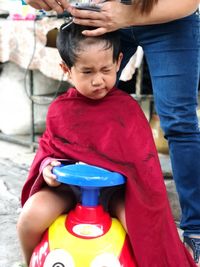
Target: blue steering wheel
90, 178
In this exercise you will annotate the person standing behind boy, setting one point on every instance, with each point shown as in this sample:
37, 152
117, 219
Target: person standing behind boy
98, 124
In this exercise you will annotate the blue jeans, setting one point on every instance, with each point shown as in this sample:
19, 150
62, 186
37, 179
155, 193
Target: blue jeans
172, 52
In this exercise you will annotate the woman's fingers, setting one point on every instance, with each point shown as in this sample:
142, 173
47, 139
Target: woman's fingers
89, 18
54, 5
63, 3
84, 14
38, 4
57, 5
96, 32
88, 22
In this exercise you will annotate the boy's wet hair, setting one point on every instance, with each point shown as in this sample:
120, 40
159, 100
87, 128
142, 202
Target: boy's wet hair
70, 42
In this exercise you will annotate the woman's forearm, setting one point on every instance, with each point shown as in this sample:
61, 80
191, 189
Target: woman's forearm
164, 11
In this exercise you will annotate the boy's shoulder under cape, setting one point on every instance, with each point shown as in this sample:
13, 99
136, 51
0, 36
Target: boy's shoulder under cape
113, 133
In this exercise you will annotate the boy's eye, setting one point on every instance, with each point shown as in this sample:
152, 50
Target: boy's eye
90, 71
86, 71
106, 70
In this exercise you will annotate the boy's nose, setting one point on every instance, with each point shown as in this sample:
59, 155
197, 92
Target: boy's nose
98, 79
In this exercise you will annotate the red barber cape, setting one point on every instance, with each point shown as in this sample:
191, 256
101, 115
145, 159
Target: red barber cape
113, 133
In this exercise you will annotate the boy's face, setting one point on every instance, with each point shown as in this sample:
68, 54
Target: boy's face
94, 73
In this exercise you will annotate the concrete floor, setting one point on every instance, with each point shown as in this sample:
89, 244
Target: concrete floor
14, 163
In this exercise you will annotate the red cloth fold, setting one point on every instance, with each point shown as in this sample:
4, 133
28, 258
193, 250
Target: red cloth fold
113, 133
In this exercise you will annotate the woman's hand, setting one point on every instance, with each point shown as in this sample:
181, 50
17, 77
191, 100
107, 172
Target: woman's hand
49, 177
113, 15
59, 6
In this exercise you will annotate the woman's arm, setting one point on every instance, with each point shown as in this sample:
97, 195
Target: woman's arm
168, 10
115, 15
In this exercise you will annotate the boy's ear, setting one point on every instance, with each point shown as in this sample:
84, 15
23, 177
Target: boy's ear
119, 60
64, 67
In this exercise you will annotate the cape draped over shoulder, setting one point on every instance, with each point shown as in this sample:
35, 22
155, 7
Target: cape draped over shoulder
113, 133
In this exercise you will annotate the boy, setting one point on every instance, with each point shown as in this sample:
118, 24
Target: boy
98, 124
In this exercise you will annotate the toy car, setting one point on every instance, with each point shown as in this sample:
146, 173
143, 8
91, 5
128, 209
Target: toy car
87, 236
